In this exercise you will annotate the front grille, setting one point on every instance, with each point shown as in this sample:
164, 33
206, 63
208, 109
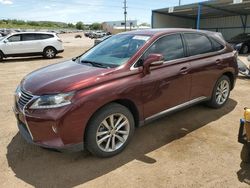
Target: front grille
24, 98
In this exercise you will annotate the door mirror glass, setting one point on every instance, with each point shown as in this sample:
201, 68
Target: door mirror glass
152, 60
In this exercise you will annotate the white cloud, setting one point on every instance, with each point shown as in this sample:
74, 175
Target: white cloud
6, 2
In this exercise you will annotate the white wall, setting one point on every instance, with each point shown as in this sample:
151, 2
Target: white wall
221, 23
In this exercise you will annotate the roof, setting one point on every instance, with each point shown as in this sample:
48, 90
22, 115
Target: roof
210, 9
32, 32
152, 32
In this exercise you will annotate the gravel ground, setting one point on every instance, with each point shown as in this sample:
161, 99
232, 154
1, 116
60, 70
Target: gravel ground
196, 147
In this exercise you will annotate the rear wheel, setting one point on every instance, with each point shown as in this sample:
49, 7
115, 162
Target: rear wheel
221, 92
109, 130
245, 154
49, 52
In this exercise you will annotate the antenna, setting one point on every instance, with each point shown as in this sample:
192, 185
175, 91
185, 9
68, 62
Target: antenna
125, 14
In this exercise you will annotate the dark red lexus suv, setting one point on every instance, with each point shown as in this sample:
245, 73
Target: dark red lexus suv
96, 100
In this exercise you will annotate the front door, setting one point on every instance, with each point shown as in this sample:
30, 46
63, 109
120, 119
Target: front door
13, 45
169, 84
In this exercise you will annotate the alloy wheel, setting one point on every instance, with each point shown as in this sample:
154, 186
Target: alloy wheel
50, 53
113, 132
222, 92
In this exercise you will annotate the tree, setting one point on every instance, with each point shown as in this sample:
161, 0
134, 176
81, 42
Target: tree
70, 25
79, 26
96, 26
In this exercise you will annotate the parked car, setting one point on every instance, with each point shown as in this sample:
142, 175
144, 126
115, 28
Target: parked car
241, 43
244, 69
96, 100
99, 40
30, 44
86, 34
78, 36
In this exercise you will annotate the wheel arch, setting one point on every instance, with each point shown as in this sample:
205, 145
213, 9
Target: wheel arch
1, 52
49, 47
230, 75
124, 102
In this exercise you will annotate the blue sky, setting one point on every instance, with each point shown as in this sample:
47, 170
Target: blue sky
80, 10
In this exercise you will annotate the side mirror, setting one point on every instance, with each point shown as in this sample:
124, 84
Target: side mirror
5, 41
151, 61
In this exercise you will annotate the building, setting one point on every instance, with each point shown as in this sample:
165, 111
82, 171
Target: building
230, 17
119, 26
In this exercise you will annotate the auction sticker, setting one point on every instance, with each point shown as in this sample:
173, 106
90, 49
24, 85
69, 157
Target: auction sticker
140, 37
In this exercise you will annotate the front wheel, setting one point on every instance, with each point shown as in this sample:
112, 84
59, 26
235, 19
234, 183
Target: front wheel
221, 92
245, 154
109, 130
1, 56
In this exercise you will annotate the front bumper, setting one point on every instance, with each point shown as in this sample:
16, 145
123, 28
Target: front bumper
39, 132
60, 51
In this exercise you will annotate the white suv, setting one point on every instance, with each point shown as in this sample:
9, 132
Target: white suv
30, 44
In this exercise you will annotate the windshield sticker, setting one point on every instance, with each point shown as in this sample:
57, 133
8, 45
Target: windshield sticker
140, 37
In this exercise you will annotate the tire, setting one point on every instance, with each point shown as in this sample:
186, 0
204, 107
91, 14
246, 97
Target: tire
244, 49
220, 93
49, 53
245, 154
102, 145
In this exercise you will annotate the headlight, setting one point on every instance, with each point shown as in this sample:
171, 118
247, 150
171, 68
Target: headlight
238, 46
52, 101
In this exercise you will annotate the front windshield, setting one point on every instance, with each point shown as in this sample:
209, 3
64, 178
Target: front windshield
115, 51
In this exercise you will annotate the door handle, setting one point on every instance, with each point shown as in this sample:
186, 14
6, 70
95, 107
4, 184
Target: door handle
184, 70
218, 61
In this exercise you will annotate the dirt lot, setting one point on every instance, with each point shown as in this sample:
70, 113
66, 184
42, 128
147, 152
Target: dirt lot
196, 147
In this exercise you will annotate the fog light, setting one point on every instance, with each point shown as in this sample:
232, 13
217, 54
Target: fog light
54, 128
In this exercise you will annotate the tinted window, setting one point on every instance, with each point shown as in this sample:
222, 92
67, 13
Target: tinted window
44, 36
170, 47
216, 45
27, 37
35, 36
14, 38
197, 44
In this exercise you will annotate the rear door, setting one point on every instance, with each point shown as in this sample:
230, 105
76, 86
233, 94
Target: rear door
167, 85
31, 43
204, 55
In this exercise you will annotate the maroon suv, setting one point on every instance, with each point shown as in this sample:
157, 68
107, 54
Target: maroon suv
96, 100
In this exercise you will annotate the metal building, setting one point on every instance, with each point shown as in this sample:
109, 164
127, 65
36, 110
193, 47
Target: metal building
230, 17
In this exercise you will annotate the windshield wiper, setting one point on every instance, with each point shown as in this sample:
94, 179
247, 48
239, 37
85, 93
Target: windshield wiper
94, 64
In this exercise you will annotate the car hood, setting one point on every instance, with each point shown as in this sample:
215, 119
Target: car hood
62, 77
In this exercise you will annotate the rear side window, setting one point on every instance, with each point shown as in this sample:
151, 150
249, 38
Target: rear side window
170, 47
45, 36
197, 44
216, 45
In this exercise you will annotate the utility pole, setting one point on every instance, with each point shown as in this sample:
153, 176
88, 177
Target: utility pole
125, 14
179, 2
